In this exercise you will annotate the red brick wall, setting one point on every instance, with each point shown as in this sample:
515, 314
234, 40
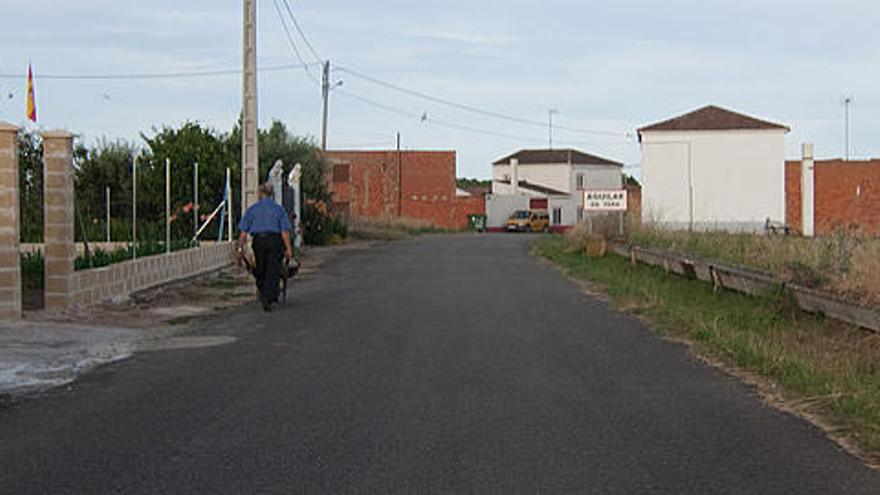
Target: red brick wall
793, 195
847, 195
371, 187
467, 205
410, 184
634, 203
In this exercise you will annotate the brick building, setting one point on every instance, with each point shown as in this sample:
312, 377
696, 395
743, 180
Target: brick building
846, 195
417, 185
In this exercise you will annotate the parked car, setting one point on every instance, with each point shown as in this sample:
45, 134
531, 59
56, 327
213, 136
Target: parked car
528, 221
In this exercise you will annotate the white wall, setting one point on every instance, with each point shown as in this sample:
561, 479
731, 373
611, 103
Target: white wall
597, 177
737, 177
569, 206
559, 176
500, 207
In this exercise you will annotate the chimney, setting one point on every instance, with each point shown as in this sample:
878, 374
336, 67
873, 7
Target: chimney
808, 191
514, 175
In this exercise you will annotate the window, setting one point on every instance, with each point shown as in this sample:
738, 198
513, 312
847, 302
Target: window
341, 172
579, 181
557, 215
580, 214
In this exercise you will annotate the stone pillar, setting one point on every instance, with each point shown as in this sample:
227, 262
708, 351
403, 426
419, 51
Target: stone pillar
10, 266
59, 249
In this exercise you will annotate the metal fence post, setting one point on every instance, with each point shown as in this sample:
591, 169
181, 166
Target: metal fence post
167, 205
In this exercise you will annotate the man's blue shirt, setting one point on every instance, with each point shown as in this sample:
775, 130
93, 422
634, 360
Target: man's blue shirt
264, 217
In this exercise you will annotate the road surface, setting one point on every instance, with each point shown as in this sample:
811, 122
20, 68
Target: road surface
442, 364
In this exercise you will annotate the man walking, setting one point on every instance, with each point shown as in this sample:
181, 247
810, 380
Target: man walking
269, 227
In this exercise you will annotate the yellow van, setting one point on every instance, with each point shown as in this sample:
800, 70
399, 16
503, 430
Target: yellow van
528, 221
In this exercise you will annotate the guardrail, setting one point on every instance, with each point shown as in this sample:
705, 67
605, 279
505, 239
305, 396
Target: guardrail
750, 281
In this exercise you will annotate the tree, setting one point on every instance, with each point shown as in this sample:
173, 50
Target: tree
277, 143
108, 164
30, 183
191, 143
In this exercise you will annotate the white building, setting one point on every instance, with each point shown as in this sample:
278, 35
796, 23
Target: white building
548, 179
562, 171
713, 169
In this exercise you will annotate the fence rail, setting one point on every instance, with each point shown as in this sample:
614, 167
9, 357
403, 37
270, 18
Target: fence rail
753, 282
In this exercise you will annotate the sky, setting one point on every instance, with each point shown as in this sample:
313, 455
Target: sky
607, 67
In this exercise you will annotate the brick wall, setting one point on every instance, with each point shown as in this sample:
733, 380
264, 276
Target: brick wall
847, 195
390, 184
10, 271
121, 279
464, 206
634, 203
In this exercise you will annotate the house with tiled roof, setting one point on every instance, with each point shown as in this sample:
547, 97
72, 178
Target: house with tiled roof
549, 179
713, 169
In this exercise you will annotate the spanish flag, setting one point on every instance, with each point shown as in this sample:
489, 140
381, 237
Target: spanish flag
31, 102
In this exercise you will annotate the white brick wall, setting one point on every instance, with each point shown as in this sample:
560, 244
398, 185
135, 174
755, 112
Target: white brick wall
122, 279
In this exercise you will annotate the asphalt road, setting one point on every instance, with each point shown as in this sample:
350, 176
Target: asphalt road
442, 364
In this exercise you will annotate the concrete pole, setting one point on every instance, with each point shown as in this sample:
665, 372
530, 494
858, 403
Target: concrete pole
325, 93
808, 191
167, 205
10, 224
58, 223
249, 133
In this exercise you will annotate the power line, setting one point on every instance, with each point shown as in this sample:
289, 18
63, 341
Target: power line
396, 110
469, 108
292, 43
302, 33
145, 76
424, 118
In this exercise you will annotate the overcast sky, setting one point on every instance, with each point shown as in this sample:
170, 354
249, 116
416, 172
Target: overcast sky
604, 65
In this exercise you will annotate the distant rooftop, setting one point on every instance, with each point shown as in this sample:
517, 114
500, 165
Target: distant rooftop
565, 155
712, 118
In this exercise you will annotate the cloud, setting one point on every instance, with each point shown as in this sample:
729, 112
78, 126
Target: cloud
462, 36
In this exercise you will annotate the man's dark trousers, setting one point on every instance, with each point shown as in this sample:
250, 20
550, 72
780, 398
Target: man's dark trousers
268, 252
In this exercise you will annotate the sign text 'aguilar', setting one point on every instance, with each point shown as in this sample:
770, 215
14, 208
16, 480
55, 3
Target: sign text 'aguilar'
605, 200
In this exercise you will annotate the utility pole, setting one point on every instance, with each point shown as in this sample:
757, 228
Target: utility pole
325, 93
249, 133
550, 113
847, 101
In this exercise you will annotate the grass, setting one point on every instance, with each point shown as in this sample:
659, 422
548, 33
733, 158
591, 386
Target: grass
390, 229
842, 263
100, 258
824, 369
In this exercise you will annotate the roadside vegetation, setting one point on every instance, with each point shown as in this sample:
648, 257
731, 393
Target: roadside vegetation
108, 164
815, 367
390, 229
844, 263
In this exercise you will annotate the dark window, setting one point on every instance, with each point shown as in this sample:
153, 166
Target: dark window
341, 172
579, 180
557, 215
